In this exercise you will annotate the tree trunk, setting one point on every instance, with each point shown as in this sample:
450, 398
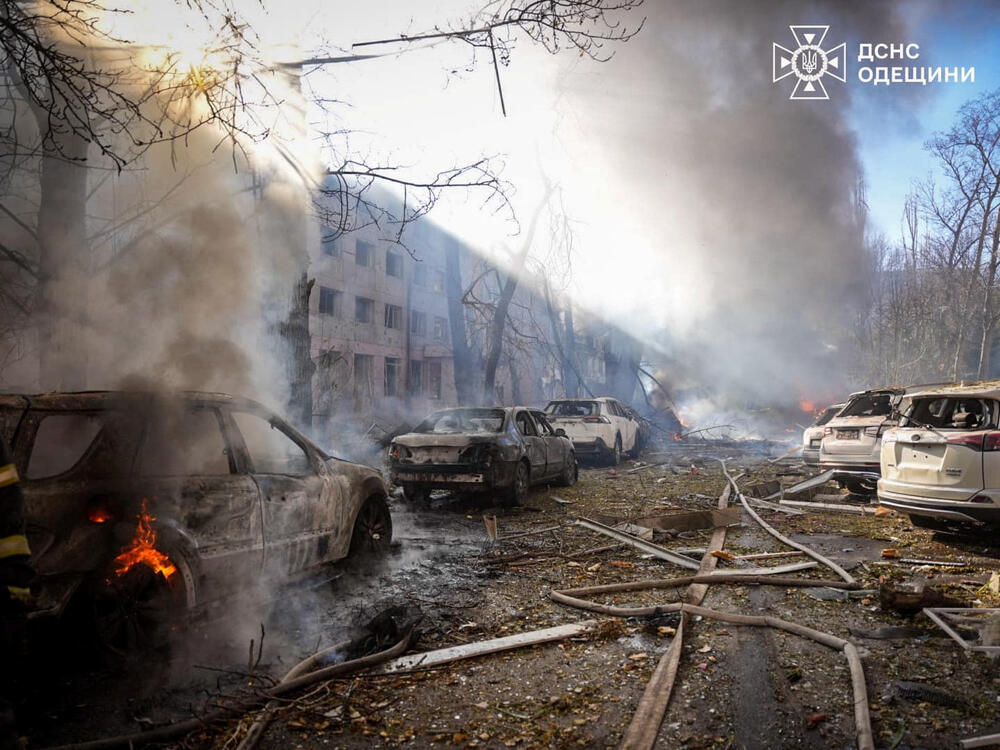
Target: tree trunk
573, 378
62, 276
300, 364
985, 343
464, 364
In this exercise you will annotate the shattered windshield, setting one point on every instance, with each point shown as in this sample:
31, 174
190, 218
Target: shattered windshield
869, 405
452, 421
573, 408
952, 413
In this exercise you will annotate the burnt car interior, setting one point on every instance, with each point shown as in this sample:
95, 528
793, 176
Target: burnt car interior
951, 413
869, 405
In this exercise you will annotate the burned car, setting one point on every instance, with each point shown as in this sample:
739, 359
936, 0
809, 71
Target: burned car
147, 506
504, 449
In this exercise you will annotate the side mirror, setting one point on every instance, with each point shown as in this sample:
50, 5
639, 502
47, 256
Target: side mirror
560, 432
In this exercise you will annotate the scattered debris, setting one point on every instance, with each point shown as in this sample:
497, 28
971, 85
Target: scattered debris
562, 501
908, 598
639, 531
490, 522
987, 740
921, 693
985, 621
692, 521
648, 547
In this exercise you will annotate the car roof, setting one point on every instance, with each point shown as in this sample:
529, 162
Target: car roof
982, 388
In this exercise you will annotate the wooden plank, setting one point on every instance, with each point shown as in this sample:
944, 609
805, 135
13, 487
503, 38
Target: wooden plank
481, 648
648, 547
692, 521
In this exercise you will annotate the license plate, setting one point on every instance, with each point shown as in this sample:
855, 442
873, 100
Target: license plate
847, 434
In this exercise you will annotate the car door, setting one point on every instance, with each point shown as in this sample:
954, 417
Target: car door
556, 448
626, 426
197, 481
534, 445
301, 500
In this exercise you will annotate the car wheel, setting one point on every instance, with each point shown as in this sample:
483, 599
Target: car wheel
570, 473
518, 492
417, 495
372, 534
615, 457
135, 612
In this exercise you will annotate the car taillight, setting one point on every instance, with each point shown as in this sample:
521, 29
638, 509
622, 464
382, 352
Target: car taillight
398, 451
601, 420
976, 442
991, 441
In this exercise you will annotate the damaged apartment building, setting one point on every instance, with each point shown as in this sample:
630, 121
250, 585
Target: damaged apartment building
381, 330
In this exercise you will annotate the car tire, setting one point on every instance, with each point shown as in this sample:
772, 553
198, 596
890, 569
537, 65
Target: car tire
518, 492
615, 455
570, 473
135, 613
372, 533
417, 495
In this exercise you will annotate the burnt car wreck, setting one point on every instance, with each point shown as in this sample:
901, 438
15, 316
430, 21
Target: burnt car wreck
148, 506
504, 450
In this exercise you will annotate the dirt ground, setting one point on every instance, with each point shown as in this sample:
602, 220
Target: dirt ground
737, 686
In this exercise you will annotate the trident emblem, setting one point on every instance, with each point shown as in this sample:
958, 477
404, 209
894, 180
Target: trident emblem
809, 62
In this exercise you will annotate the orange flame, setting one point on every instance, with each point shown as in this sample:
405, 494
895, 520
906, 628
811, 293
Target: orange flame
807, 406
678, 438
142, 550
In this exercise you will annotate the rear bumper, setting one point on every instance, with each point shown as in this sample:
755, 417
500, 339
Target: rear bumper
584, 448
467, 477
865, 464
949, 510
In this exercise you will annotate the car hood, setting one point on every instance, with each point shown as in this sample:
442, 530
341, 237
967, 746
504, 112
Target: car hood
445, 440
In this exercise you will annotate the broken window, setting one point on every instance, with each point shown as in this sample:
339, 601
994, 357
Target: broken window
186, 442
420, 275
418, 323
329, 301
60, 442
393, 316
572, 408
438, 283
270, 449
869, 405
329, 241
393, 264
363, 253
415, 377
524, 425
363, 383
434, 379
953, 413
391, 376
363, 308
441, 329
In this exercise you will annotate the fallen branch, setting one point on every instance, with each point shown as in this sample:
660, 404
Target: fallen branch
648, 547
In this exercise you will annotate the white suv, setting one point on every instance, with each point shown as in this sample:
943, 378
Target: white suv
942, 463
598, 427
812, 436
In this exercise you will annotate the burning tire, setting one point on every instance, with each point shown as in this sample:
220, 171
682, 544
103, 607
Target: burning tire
136, 611
372, 535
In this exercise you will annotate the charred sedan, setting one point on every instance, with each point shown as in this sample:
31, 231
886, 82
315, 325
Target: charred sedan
150, 506
496, 449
